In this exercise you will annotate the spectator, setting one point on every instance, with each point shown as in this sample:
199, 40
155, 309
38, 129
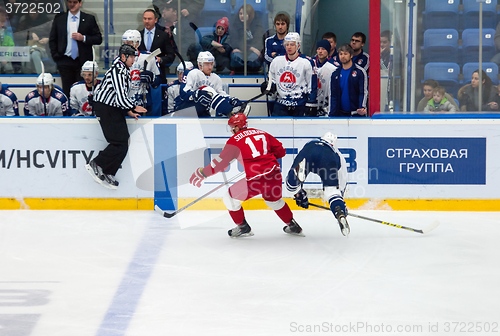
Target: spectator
429, 86
8, 103
496, 58
385, 49
169, 15
439, 102
469, 95
324, 70
360, 58
274, 44
349, 87
79, 101
494, 105
34, 28
46, 100
292, 77
14, 16
71, 39
173, 88
152, 39
253, 37
333, 56
217, 44
6, 40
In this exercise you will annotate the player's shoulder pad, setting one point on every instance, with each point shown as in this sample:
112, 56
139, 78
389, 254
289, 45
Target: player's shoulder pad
77, 83
32, 94
59, 95
10, 94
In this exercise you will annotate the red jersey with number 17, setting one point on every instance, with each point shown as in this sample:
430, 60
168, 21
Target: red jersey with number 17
256, 150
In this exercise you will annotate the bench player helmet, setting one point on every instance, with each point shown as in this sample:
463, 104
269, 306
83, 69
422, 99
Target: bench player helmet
292, 37
132, 35
45, 79
205, 56
90, 66
239, 119
331, 138
180, 67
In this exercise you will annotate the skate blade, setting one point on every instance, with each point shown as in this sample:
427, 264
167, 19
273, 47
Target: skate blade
248, 234
301, 234
344, 226
97, 179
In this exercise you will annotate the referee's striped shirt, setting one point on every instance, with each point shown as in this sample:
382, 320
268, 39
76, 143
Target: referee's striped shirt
114, 88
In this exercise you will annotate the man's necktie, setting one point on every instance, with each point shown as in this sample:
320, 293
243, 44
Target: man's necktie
74, 45
149, 41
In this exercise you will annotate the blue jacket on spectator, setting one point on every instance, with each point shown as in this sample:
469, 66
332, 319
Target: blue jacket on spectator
273, 44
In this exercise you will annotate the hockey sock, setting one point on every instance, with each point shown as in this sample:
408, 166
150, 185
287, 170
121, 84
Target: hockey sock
238, 216
285, 214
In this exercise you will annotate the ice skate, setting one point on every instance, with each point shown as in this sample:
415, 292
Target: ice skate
344, 226
96, 172
294, 229
111, 180
243, 230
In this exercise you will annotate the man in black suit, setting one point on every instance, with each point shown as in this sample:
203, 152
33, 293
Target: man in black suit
71, 38
153, 38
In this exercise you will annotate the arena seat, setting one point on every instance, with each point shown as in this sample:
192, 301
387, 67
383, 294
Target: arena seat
441, 45
491, 70
470, 17
440, 14
470, 45
447, 74
215, 10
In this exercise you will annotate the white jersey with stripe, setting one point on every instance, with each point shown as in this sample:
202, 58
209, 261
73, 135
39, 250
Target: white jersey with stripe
79, 99
55, 106
135, 73
324, 73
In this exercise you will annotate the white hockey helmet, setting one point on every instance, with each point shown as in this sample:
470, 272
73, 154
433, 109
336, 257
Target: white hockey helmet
331, 138
90, 66
292, 37
132, 35
45, 79
205, 56
189, 66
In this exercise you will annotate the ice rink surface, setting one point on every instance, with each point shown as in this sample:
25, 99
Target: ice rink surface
135, 273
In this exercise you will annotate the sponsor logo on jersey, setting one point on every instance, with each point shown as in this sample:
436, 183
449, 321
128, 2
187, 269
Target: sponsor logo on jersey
135, 75
58, 95
8, 92
31, 94
86, 107
354, 74
360, 61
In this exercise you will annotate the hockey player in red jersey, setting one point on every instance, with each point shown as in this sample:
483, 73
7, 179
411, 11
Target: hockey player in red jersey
258, 152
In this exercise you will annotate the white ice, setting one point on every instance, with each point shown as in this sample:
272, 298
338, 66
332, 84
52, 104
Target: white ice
135, 273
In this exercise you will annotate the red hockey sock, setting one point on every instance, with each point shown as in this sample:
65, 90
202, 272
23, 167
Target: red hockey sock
285, 214
238, 216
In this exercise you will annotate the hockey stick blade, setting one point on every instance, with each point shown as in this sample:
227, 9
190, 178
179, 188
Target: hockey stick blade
424, 231
431, 227
163, 213
152, 55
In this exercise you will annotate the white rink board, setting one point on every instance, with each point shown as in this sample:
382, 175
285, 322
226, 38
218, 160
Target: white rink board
58, 146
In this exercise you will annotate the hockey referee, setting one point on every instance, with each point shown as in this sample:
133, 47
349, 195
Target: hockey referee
111, 105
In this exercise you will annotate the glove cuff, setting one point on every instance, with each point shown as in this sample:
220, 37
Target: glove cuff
200, 170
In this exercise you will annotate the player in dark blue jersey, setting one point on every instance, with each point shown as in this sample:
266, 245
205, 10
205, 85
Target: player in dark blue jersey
321, 157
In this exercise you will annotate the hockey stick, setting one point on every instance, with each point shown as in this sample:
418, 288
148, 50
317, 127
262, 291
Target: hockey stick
196, 30
423, 231
146, 61
43, 89
172, 214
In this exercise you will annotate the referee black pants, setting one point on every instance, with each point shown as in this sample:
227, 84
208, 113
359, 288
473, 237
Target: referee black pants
114, 128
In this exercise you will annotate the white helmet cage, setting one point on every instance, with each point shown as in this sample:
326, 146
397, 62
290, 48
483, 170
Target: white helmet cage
205, 56
330, 137
132, 35
189, 66
45, 79
90, 66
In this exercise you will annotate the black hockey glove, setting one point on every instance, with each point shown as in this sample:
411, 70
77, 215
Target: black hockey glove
301, 199
263, 88
90, 99
311, 111
147, 77
235, 102
202, 97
